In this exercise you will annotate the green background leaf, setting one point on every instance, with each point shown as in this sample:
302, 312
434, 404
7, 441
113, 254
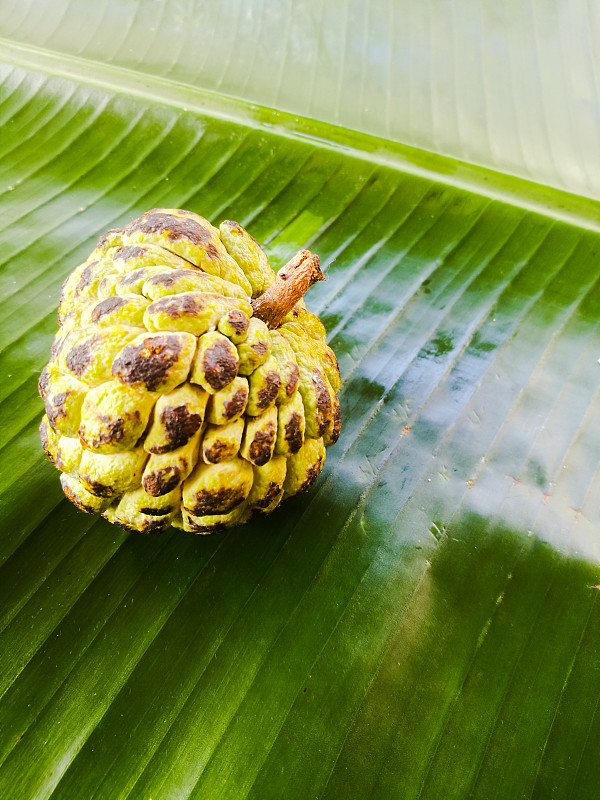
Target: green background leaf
425, 622
514, 86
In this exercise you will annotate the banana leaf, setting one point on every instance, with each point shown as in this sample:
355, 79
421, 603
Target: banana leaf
425, 622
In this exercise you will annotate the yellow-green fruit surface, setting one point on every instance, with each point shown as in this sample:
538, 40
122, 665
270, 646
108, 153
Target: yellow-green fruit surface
167, 402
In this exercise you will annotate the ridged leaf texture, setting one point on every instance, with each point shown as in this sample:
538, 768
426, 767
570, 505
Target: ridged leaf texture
425, 622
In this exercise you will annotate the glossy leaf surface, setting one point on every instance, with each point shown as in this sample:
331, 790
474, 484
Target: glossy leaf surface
425, 622
511, 86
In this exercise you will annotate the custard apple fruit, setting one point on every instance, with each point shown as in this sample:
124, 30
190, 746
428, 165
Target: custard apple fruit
188, 384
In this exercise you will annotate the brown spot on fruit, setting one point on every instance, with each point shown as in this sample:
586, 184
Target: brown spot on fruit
179, 425
162, 481
268, 392
55, 407
167, 279
43, 382
178, 305
173, 227
293, 432
237, 403
293, 379
147, 362
112, 430
76, 501
220, 365
272, 491
337, 422
235, 228
86, 277
215, 452
108, 238
311, 476
220, 501
129, 251
324, 409
261, 447
156, 525
56, 345
157, 512
238, 321
208, 528
260, 348
132, 277
107, 306
147, 526
99, 489
80, 356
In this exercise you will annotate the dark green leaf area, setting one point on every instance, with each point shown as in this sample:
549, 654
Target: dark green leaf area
424, 622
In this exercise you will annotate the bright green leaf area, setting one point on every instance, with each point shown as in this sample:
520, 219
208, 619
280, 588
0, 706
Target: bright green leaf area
425, 622
513, 85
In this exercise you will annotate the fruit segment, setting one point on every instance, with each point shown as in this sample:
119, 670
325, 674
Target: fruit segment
156, 362
248, 254
165, 471
111, 475
194, 312
290, 427
288, 367
222, 442
217, 488
216, 362
139, 510
304, 467
234, 324
264, 387
259, 437
124, 309
255, 348
175, 281
63, 398
178, 415
113, 417
229, 403
267, 486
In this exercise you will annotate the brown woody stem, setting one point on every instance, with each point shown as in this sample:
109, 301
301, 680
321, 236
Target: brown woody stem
291, 283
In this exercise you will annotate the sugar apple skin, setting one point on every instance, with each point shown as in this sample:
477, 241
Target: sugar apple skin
188, 384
